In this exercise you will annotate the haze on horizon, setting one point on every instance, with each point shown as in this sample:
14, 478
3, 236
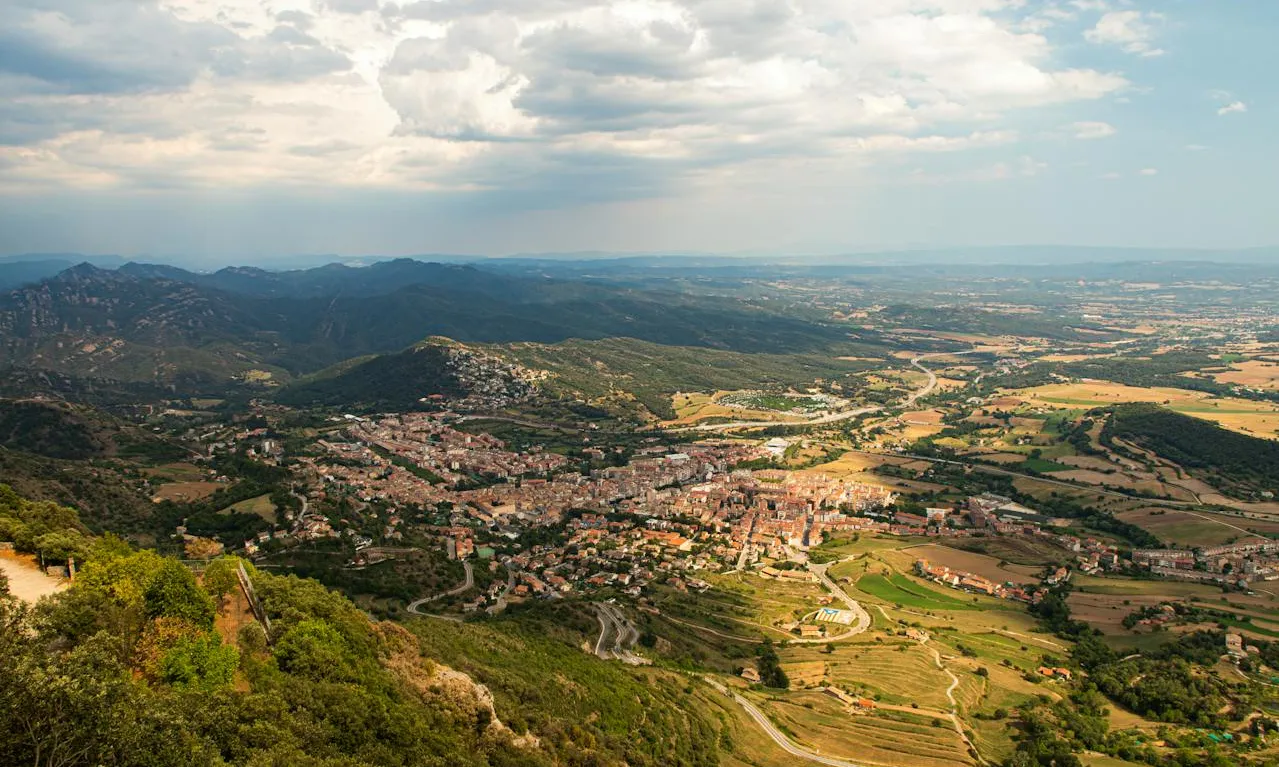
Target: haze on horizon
208, 127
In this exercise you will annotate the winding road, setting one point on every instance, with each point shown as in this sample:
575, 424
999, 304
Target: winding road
614, 623
862, 622
954, 705
415, 607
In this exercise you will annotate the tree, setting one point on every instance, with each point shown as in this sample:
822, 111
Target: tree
770, 669
200, 662
61, 545
221, 577
174, 593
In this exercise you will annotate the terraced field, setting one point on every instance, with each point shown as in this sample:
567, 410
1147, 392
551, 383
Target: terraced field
889, 738
896, 675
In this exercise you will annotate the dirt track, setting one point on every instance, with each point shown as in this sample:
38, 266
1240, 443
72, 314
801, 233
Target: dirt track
26, 582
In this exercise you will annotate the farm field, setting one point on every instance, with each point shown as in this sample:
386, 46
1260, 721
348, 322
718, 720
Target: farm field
181, 482
1258, 374
1104, 602
693, 407
896, 588
971, 562
1197, 528
1245, 416
848, 547
1022, 553
902, 674
185, 492
260, 505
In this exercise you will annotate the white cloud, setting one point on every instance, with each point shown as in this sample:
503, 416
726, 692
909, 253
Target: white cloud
1148, 172
1234, 107
1092, 130
493, 93
1130, 30
1111, 176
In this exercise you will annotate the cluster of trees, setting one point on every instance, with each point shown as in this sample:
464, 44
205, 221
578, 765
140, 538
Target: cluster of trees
43, 528
206, 518
1167, 684
770, 668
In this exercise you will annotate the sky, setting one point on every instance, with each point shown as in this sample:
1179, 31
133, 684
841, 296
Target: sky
242, 129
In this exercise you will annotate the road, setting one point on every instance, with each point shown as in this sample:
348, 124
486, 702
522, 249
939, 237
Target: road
778, 737
843, 415
500, 603
615, 624
467, 585
860, 624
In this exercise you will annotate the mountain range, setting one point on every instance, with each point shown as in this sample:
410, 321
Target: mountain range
164, 326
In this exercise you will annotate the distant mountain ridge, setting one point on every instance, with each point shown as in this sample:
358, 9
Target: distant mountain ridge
167, 326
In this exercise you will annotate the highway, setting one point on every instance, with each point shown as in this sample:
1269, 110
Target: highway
415, 607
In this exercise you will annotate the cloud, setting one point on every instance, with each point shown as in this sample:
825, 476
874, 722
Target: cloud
92, 47
491, 94
1234, 107
350, 6
1130, 30
1092, 130
1148, 172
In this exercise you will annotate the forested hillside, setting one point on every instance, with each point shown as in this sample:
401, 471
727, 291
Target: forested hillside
143, 662
386, 382
61, 430
1237, 463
